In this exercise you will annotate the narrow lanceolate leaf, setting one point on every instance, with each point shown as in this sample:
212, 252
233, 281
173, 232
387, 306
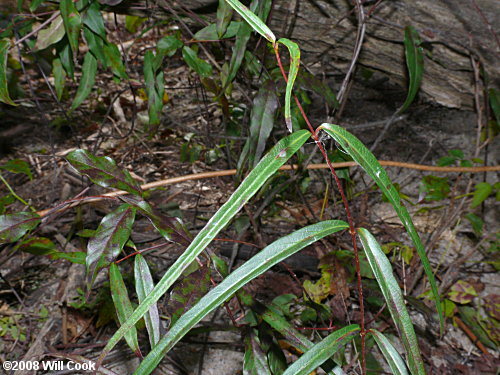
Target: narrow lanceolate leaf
89, 70
4, 91
495, 103
240, 45
255, 360
93, 19
72, 23
103, 171
415, 62
280, 153
143, 286
389, 286
14, 226
257, 24
51, 35
200, 66
96, 45
123, 306
154, 87
59, 77
261, 124
294, 50
357, 150
114, 60
111, 235
224, 15
264, 260
390, 353
320, 352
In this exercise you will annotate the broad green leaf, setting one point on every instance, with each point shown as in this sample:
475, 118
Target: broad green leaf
17, 166
14, 226
482, 191
210, 32
66, 55
294, 50
111, 235
132, 23
38, 246
167, 46
274, 159
93, 19
59, 77
257, 265
200, 66
72, 23
224, 15
255, 360
143, 286
390, 353
114, 59
261, 124
4, 90
255, 22
320, 352
103, 171
51, 35
389, 286
415, 62
96, 45
89, 70
358, 151
123, 306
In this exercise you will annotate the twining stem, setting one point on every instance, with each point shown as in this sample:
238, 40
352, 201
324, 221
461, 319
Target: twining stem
352, 230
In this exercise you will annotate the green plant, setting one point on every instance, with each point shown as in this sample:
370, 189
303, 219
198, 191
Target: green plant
112, 235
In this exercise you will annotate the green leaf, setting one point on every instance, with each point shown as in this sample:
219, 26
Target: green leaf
132, 23
294, 50
4, 91
51, 35
482, 191
103, 171
370, 164
390, 353
264, 260
167, 46
389, 286
320, 352
96, 45
210, 32
72, 23
154, 88
274, 159
239, 49
111, 235
59, 77
261, 124
224, 15
18, 166
254, 21
200, 66
143, 286
114, 60
66, 56
38, 246
14, 226
123, 306
415, 63
255, 360
476, 222
462, 292
495, 103
93, 19
89, 70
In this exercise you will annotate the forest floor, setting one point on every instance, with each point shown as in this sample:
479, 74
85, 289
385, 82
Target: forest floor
42, 309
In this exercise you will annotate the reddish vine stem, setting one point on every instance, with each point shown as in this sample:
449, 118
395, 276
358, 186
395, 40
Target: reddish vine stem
352, 230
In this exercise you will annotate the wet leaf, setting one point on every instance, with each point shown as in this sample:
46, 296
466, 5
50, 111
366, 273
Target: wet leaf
143, 286
462, 292
4, 91
103, 171
89, 70
51, 35
14, 226
123, 306
111, 235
